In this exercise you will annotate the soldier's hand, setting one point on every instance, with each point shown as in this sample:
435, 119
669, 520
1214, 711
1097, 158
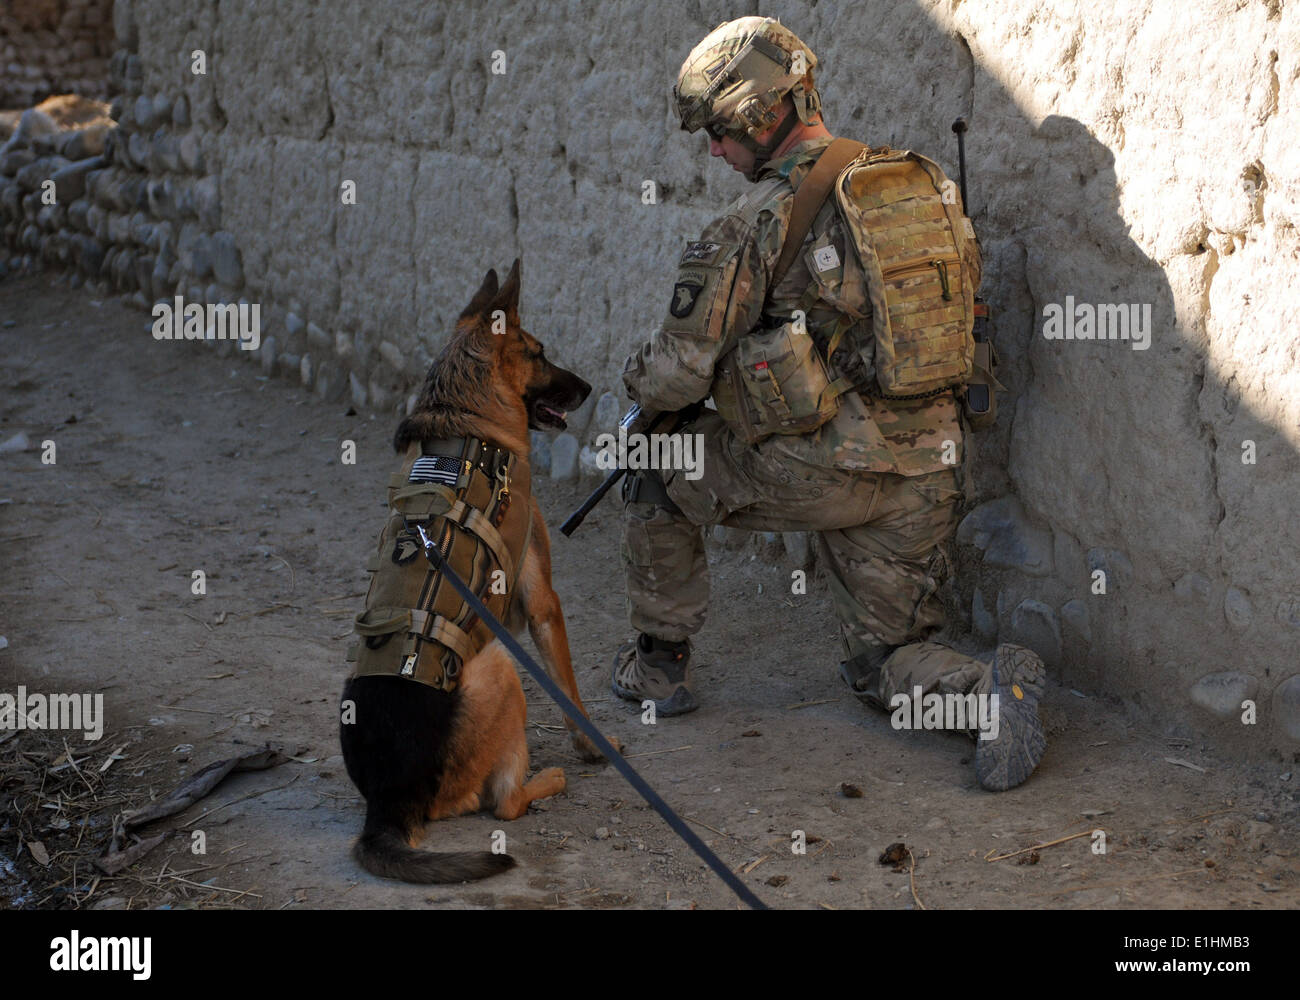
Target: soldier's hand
689, 413
638, 421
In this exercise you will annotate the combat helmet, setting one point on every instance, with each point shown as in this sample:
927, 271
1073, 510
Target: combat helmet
733, 83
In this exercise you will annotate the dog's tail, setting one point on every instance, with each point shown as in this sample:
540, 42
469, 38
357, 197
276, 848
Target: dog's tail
383, 851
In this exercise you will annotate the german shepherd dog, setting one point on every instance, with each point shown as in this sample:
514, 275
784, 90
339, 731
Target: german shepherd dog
418, 753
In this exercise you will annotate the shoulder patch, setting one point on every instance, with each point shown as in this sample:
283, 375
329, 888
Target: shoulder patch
685, 294
700, 252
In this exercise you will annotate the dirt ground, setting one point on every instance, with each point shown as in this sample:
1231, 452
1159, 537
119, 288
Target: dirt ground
171, 458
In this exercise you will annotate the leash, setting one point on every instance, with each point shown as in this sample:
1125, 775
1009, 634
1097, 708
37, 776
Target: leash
675, 822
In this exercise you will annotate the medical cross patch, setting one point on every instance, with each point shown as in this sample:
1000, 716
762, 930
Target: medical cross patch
685, 294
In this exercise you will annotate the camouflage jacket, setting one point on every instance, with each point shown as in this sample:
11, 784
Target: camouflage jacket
737, 252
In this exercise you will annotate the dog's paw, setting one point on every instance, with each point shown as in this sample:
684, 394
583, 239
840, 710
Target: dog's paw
587, 749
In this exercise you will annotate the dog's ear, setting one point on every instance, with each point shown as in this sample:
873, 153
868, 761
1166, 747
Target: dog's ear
478, 305
507, 299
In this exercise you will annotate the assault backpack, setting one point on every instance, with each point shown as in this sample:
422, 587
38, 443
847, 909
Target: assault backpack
922, 264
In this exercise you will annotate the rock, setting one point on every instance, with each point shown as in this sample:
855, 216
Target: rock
1002, 531
539, 452
331, 381
289, 365
207, 202
181, 112
358, 391
318, 340
1034, 624
798, 546
87, 142
607, 413
1222, 693
1116, 566
392, 355
984, 620
1286, 707
195, 254
1236, 608
225, 261
1193, 588
305, 369
31, 124
142, 113
1075, 614
162, 110
191, 153
165, 155
296, 329
564, 456
14, 160
78, 212
18, 442
137, 144
588, 464
31, 176
70, 181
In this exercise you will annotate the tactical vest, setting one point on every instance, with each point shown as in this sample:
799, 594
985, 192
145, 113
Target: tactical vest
463, 492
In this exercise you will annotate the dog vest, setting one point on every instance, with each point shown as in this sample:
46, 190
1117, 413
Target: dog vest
472, 498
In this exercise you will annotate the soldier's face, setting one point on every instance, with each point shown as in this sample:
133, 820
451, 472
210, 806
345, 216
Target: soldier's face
736, 155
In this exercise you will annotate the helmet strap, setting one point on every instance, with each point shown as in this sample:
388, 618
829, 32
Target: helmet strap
764, 153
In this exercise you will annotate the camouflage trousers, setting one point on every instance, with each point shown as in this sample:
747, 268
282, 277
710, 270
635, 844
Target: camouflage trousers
880, 538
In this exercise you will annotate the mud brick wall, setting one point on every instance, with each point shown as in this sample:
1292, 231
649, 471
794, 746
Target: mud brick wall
54, 47
1133, 512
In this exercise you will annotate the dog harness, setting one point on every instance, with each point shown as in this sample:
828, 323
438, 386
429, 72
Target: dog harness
462, 491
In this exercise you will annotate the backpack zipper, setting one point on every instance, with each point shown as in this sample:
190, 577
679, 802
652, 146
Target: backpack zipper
912, 268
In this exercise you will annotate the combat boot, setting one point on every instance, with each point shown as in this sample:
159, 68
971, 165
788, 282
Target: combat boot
1010, 758
653, 669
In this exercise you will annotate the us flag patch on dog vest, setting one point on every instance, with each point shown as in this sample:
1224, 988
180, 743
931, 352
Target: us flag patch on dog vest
436, 469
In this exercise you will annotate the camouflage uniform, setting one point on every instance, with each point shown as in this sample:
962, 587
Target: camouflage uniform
872, 482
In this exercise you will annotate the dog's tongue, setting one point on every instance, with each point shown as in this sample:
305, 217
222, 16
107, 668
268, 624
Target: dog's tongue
558, 414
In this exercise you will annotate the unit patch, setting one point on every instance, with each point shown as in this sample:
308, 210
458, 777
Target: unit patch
405, 548
701, 252
685, 295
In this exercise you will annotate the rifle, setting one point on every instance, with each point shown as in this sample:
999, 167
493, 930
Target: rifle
579, 515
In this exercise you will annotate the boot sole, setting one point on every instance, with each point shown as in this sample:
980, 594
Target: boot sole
1009, 760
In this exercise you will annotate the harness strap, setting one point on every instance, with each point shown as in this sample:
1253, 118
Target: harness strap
471, 519
808, 200
440, 630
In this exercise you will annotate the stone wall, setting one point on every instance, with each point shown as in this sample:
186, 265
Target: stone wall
54, 47
1131, 512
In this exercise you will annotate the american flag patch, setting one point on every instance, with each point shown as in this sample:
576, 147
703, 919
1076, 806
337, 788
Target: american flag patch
436, 469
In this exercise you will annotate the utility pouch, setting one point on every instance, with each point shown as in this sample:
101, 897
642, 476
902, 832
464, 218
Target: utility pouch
978, 398
775, 382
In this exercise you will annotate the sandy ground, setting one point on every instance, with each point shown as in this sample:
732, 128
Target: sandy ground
179, 459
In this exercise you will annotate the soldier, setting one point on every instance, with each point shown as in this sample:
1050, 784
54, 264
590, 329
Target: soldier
872, 482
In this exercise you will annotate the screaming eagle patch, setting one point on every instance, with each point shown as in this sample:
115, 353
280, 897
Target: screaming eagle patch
405, 548
685, 295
